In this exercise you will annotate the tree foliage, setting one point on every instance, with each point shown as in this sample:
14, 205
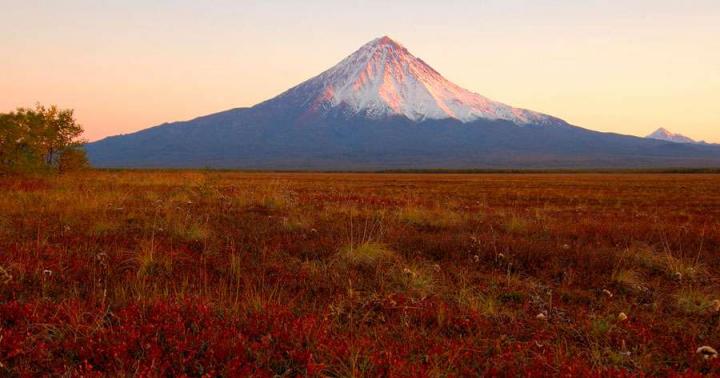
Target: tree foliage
36, 139
72, 159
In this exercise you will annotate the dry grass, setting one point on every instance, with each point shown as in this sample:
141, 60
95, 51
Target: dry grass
234, 274
367, 254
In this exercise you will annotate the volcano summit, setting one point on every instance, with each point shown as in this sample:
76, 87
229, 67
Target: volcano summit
383, 108
383, 79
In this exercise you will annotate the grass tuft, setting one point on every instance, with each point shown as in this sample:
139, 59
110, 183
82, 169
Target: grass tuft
367, 254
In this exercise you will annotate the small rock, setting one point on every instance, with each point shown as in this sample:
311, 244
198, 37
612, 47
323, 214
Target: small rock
715, 305
541, 316
707, 352
622, 317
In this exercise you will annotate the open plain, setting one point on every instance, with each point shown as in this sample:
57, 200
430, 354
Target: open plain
212, 273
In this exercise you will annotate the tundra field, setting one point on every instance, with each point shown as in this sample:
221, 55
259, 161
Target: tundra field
195, 273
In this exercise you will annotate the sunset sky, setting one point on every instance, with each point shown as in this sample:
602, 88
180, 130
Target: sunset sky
621, 66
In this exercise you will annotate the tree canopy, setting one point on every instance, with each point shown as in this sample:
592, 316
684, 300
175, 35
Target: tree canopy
35, 139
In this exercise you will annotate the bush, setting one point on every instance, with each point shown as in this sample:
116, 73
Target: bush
72, 159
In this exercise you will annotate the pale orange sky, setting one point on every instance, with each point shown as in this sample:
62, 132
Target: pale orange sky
628, 67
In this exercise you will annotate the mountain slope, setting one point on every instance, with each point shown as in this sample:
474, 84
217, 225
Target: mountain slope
381, 108
666, 135
383, 79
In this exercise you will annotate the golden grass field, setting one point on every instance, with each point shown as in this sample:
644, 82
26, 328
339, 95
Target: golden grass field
208, 273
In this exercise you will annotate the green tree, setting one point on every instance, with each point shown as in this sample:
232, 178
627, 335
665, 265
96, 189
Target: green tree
34, 139
17, 152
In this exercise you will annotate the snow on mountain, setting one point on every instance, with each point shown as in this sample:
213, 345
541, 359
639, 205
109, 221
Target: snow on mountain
664, 134
383, 108
384, 79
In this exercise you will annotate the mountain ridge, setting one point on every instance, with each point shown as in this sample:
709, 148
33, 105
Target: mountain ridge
666, 135
381, 107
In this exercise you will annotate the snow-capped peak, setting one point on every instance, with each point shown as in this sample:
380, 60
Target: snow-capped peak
664, 134
383, 78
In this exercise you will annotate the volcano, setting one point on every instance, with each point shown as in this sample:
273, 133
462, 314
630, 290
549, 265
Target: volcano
383, 108
666, 135
382, 79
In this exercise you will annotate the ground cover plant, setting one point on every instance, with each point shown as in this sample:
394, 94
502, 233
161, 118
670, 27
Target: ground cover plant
202, 273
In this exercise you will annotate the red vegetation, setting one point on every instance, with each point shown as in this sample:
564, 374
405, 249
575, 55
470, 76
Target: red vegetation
232, 274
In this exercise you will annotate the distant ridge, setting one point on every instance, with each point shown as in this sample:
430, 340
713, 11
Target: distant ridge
666, 135
383, 108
